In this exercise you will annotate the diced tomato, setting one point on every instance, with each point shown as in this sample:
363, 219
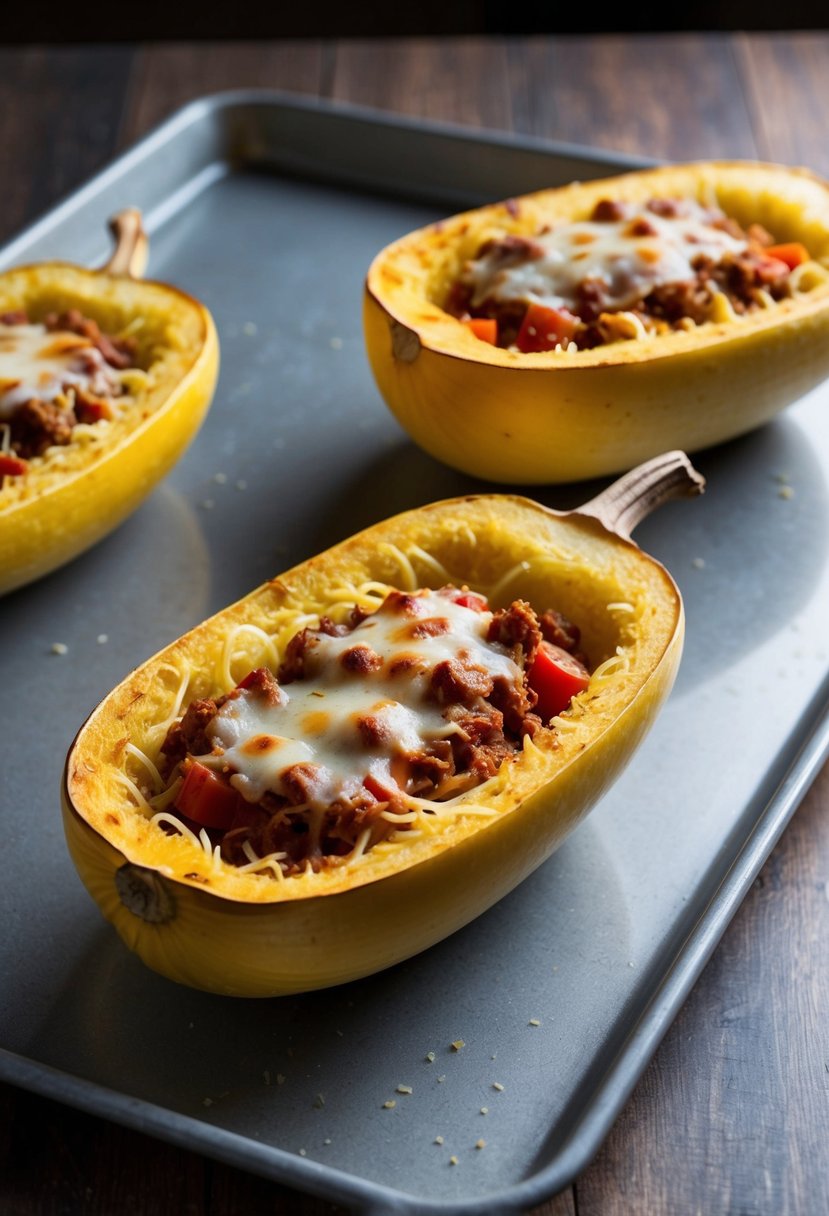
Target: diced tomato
12, 466
383, 793
485, 328
206, 798
471, 599
251, 678
90, 412
545, 328
770, 270
385, 789
556, 676
792, 253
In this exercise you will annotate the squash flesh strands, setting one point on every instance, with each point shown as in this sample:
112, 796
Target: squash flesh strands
574, 415
74, 495
209, 924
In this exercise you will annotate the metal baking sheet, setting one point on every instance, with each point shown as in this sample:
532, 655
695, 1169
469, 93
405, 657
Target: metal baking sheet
269, 209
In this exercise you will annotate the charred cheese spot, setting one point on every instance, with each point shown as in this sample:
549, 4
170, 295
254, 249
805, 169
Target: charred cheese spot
404, 664
360, 660
425, 627
403, 602
317, 721
260, 744
642, 227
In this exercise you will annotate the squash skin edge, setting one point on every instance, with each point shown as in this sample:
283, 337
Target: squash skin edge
542, 418
227, 944
73, 512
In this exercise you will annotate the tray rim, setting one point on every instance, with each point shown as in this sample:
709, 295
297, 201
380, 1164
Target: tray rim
225, 102
586, 1138
655, 1017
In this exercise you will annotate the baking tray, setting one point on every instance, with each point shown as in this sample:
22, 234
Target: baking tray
269, 209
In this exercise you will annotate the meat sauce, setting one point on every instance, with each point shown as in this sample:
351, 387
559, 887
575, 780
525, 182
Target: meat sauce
54, 375
424, 698
660, 263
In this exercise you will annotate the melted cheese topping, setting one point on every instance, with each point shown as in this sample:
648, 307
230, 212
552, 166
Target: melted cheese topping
41, 363
627, 265
317, 718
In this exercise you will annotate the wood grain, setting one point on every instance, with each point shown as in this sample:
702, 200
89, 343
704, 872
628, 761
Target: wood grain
732, 1115
168, 76
59, 123
655, 95
787, 89
458, 80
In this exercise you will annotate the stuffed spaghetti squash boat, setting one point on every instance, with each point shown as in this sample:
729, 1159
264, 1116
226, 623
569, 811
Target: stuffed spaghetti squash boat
210, 815
104, 380
577, 331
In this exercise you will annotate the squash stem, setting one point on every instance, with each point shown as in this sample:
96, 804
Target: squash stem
129, 258
626, 502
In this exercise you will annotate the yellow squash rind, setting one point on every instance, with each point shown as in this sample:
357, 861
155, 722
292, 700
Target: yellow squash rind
210, 926
558, 416
73, 496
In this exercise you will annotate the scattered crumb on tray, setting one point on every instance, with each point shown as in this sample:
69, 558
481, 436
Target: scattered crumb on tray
534, 1022
430, 1057
457, 1044
60, 648
785, 492
404, 1089
438, 1139
453, 1161
497, 1085
698, 563
480, 1144
389, 1104
220, 478
102, 639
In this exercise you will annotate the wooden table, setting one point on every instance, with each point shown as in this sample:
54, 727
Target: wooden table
732, 1116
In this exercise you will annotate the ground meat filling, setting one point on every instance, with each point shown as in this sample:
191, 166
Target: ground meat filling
71, 378
694, 254
461, 675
